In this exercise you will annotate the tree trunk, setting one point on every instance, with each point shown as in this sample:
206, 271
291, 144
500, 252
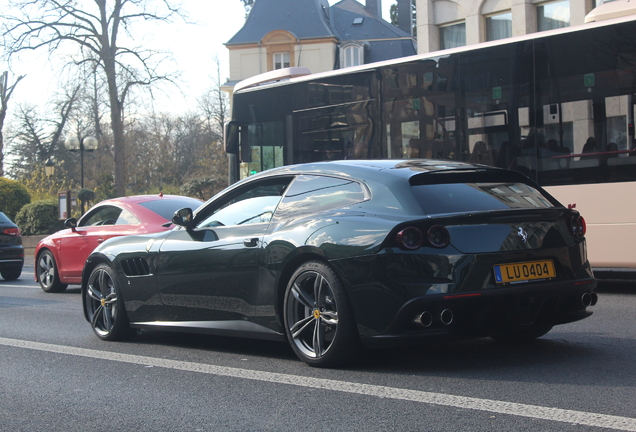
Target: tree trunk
117, 124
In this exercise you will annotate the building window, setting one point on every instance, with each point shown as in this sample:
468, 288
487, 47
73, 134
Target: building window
352, 56
281, 60
499, 26
452, 36
553, 15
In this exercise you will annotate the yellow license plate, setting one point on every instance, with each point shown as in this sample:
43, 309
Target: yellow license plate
524, 271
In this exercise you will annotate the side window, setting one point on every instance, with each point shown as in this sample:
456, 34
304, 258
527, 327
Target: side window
254, 204
312, 194
126, 218
106, 215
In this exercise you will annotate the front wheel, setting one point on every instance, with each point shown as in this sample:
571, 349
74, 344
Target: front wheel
47, 271
104, 305
319, 321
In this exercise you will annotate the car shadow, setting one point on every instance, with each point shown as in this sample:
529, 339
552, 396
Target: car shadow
223, 344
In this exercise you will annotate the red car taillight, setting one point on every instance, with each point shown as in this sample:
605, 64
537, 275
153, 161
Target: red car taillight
12, 231
577, 225
412, 238
438, 236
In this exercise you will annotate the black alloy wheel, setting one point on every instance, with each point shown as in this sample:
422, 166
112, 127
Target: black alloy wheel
319, 321
11, 273
104, 305
47, 273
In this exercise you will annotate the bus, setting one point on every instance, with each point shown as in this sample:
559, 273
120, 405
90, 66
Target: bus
557, 105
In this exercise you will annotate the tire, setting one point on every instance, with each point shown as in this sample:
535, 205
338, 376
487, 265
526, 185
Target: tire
12, 273
104, 305
318, 318
48, 276
523, 335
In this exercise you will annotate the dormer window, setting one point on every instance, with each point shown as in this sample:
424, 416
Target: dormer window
352, 54
281, 60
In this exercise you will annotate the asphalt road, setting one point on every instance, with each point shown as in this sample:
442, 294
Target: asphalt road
55, 375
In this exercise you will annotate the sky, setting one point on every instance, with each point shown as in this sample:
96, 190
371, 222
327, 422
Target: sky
193, 46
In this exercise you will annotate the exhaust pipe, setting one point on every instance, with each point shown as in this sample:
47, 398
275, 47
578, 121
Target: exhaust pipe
446, 317
425, 319
589, 299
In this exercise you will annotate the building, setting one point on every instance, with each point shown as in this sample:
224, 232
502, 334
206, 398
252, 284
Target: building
443, 24
310, 33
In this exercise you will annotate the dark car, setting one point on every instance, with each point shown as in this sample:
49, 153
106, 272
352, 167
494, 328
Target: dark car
11, 249
338, 256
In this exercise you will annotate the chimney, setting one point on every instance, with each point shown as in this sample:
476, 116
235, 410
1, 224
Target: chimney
405, 16
374, 7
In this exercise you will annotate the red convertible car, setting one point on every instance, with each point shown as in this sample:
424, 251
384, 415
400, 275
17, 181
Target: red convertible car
60, 257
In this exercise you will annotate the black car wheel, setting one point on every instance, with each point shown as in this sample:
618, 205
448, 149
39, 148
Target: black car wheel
47, 273
12, 273
104, 305
523, 335
318, 318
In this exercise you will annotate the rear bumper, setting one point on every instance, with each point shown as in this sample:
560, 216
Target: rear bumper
11, 257
487, 312
619, 274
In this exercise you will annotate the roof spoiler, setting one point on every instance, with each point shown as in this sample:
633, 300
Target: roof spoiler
271, 77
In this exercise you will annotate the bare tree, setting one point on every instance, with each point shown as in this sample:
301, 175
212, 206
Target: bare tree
95, 27
6, 91
36, 137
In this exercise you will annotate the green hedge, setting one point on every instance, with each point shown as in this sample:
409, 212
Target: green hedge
13, 195
38, 218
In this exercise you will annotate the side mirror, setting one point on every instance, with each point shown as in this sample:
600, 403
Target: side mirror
71, 223
183, 217
231, 137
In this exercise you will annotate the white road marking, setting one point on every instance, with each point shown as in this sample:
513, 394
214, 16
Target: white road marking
493, 406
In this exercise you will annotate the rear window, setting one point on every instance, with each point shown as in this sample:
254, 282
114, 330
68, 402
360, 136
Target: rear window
470, 197
166, 207
4, 218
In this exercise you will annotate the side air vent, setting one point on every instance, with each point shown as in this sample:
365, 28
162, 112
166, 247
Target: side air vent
135, 267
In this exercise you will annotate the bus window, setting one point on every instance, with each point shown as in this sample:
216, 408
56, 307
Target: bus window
586, 103
264, 149
418, 110
495, 91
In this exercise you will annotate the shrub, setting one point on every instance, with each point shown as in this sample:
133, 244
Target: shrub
39, 217
203, 188
13, 195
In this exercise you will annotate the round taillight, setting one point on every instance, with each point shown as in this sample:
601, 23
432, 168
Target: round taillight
578, 226
438, 236
583, 226
410, 238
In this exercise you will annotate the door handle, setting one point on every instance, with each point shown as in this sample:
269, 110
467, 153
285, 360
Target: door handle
100, 240
253, 242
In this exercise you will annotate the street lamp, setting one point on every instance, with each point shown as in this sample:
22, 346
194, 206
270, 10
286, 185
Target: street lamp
89, 143
49, 168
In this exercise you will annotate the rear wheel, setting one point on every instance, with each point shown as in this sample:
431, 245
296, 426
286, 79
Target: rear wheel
47, 273
523, 335
319, 321
104, 305
12, 273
